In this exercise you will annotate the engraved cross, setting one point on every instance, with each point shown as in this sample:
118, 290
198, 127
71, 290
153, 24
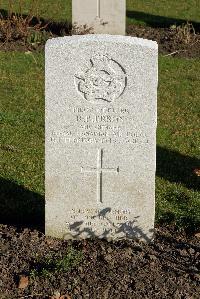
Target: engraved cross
98, 8
99, 170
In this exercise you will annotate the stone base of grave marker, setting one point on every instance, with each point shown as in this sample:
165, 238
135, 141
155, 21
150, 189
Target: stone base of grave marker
100, 137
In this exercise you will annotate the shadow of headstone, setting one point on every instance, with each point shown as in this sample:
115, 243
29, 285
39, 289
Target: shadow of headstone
177, 168
21, 207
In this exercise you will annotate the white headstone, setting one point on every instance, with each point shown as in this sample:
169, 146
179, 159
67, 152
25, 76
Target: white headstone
103, 16
100, 137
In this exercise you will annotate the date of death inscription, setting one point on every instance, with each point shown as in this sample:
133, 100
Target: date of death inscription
105, 126
97, 219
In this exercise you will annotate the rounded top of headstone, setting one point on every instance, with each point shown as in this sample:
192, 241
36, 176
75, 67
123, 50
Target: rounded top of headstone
61, 41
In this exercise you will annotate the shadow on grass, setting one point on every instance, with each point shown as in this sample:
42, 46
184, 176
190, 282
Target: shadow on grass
21, 207
177, 168
158, 21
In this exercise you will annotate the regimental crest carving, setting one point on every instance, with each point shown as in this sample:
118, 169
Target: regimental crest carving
103, 80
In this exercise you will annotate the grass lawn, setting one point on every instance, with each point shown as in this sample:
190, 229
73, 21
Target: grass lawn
59, 10
178, 139
22, 148
152, 12
143, 11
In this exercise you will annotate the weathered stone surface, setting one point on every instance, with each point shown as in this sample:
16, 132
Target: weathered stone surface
103, 16
100, 136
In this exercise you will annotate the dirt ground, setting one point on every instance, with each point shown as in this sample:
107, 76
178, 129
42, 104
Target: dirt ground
167, 268
178, 41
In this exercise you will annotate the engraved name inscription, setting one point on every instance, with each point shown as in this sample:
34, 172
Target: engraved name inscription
99, 125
